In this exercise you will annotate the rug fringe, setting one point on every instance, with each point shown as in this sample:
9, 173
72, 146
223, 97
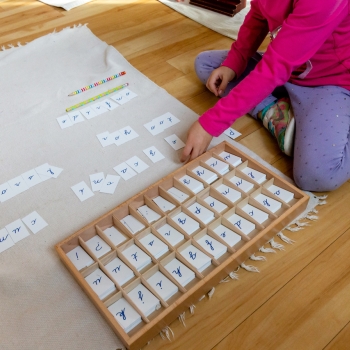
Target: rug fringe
12, 46
285, 238
250, 268
267, 250
276, 245
167, 333
182, 318
257, 258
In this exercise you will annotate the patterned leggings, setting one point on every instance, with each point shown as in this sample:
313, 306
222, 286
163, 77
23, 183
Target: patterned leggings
322, 114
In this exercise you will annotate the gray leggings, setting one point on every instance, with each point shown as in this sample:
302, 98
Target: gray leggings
322, 115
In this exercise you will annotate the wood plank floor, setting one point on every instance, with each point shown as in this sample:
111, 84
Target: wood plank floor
301, 297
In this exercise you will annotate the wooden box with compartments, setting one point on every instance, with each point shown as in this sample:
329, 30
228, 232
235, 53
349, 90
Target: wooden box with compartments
149, 259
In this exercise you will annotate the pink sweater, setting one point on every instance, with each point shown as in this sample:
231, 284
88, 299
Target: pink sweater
316, 32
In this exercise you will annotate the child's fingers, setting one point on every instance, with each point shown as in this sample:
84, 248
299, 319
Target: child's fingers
212, 83
223, 85
186, 152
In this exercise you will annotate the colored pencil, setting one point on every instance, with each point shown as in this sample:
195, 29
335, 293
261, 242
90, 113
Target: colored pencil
97, 83
97, 97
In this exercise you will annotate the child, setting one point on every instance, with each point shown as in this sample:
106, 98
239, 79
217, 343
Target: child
302, 80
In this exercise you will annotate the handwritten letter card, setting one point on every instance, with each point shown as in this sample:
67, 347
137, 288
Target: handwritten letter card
34, 222
5, 240
230, 237
100, 284
120, 271
114, 235
196, 257
172, 235
180, 272
174, 142
125, 314
98, 246
162, 285
82, 191
80, 258
144, 299
17, 230
137, 257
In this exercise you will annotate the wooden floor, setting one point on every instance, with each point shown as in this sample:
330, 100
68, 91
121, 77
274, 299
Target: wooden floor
301, 297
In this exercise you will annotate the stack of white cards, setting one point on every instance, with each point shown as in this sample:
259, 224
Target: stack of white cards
231, 194
186, 222
205, 174
218, 165
149, 214
172, 235
180, 272
257, 176
98, 246
212, 246
80, 258
162, 285
163, 204
257, 214
114, 235
132, 224
125, 314
285, 195
244, 185
177, 194
230, 237
100, 284
215, 204
191, 183
241, 223
196, 257
144, 299
270, 204
230, 158
154, 245
137, 257
203, 214
120, 271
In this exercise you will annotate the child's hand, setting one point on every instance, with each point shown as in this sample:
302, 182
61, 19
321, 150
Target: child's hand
197, 142
219, 78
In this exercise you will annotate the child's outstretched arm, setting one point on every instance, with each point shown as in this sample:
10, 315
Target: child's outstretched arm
303, 33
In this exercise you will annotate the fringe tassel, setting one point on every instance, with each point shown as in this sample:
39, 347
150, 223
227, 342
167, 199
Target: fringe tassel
233, 275
276, 245
166, 333
285, 238
293, 229
311, 217
257, 258
302, 224
267, 250
201, 298
225, 280
211, 293
192, 307
182, 318
249, 268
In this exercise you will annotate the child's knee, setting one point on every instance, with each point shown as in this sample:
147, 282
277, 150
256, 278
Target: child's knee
320, 179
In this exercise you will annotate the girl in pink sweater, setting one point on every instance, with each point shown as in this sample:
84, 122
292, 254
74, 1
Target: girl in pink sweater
301, 82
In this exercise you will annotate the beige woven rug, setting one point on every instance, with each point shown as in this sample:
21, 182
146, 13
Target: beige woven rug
41, 305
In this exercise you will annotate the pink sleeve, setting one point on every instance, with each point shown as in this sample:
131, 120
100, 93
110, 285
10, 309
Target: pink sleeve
302, 34
250, 36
